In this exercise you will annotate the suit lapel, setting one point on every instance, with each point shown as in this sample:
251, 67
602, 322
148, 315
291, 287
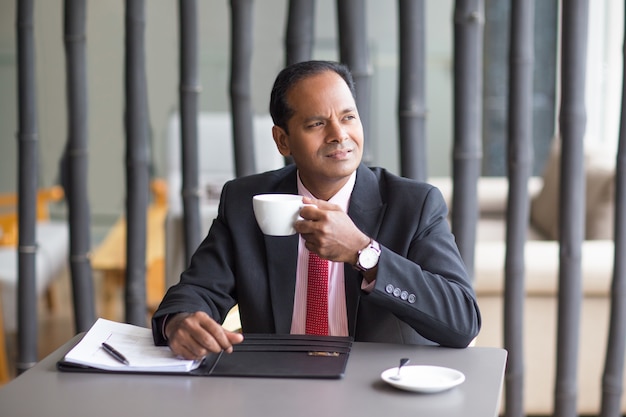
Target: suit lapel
282, 258
366, 211
366, 205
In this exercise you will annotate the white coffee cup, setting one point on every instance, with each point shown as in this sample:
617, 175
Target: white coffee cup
276, 213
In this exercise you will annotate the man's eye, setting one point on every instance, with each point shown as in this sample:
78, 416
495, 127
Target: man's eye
315, 124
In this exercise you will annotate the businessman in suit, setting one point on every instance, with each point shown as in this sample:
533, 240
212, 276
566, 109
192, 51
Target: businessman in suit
395, 273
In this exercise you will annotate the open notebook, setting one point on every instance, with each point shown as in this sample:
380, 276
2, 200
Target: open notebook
268, 355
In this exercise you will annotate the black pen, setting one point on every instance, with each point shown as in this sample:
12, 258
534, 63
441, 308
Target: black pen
113, 352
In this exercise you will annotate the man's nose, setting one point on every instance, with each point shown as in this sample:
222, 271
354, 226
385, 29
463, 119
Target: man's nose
336, 132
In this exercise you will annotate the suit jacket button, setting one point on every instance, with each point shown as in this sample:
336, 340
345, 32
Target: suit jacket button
396, 292
412, 298
404, 295
389, 288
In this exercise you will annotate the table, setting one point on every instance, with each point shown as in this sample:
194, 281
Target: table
43, 391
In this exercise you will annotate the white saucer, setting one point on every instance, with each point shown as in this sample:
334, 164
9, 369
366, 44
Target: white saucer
423, 378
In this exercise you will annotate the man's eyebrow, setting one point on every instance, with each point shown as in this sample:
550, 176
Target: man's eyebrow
313, 118
350, 109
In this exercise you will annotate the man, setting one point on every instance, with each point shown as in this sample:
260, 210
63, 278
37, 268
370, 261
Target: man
413, 287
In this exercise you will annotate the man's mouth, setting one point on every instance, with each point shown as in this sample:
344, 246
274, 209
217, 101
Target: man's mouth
339, 153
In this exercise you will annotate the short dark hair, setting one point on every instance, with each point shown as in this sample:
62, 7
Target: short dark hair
280, 110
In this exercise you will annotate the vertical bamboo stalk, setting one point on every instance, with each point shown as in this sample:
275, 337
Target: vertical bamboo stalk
188, 96
520, 161
354, 52
299, 36
28, 160
572, 121
612, 385
412, 91
467, 152
76, 165
300, 30
240, 91
137, 162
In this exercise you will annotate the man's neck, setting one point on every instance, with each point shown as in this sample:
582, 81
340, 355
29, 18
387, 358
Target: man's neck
328, 192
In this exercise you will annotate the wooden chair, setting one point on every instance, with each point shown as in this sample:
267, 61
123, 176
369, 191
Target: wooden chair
8, 243
9, 221
9, 217
109, 258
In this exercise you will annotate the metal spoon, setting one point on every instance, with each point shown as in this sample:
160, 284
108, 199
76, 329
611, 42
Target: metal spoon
403, 362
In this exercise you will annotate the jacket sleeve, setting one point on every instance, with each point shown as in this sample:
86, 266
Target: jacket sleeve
421, 277
207, 284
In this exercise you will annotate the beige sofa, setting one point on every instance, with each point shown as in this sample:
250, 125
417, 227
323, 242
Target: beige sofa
541, 282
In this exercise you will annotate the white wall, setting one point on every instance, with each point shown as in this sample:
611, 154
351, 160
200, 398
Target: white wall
603, 92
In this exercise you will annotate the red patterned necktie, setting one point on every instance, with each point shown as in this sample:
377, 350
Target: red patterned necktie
317, 296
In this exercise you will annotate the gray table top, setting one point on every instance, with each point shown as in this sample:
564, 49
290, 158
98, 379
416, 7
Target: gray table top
43, 391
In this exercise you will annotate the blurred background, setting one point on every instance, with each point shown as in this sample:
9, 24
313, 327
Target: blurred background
105, 41
106, 102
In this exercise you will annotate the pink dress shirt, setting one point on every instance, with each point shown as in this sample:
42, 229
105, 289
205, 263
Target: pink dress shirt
337, 315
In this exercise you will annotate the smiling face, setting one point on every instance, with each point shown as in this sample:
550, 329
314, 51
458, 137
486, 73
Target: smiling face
325, 134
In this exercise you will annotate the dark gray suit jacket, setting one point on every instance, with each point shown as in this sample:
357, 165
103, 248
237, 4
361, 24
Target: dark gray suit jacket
422, 295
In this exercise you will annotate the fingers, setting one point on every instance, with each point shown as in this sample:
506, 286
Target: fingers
233, 338
315, 214
309, 200
195, 335
328, 231
321, 204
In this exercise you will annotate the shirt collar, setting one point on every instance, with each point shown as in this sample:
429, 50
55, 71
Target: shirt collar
341, 198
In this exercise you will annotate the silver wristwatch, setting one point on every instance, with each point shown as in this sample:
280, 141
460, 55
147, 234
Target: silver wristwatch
368, 257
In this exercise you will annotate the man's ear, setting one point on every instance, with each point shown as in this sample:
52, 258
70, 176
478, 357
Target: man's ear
281, 138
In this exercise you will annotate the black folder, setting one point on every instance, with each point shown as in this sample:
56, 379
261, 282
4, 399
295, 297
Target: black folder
266, 355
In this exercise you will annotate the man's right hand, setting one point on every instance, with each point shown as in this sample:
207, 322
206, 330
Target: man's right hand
195, 335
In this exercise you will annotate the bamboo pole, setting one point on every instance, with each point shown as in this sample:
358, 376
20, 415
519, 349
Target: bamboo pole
240, 91
299, 36
520, 163
467, 152
137, 163
572, 121
188, 95
353, 52
612, 377
299, 32
76, 166
412, 89
28, 155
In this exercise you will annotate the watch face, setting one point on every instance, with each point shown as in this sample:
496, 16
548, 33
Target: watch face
368, 258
